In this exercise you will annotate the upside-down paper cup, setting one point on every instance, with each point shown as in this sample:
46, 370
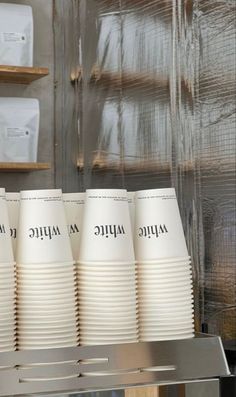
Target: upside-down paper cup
13, 205
74, 207
107, 234
42, 230
6, 251
158, 231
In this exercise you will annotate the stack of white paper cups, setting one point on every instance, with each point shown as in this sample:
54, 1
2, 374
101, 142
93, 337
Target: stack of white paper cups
164, 268
13, 204
74, 207
106, 270
7, 282
46, 279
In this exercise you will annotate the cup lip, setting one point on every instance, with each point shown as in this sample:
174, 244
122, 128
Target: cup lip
51, 336
164, 270
109, 303
7, 264
147, 339
164, 327
51, 345
130, 273
53, 281
166, 283
87, 328
175, 290
46, 320
148, 304
107, 294
106, 263
42, 286
107, 283
100, 333
165, 260
54, 324
160, 299
37, 297
42, 265
36, 279
39, 304
46, 300
108, 341
99, 310
164, 321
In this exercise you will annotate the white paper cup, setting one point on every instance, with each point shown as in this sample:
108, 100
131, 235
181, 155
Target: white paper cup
107, 234
13, 205
42, 231
74, 208
6, 251
158, 232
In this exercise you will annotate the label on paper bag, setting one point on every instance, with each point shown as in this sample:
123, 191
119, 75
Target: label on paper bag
16, 132
13, 37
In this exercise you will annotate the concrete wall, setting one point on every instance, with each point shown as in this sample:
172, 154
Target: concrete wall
44, 91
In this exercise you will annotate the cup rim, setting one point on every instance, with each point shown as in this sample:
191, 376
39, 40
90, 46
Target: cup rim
188, 336
176, 259
25, 265
106, 263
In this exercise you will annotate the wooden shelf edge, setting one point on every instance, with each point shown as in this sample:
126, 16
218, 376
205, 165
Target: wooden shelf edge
24, 167
21, 75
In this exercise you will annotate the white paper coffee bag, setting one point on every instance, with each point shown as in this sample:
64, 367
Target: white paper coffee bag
19, 129
16, 35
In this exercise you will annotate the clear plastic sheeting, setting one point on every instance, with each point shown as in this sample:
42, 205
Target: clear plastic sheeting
156, 104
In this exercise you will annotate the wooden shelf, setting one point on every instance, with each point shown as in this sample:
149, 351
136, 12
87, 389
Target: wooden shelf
21, 75
24, 167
